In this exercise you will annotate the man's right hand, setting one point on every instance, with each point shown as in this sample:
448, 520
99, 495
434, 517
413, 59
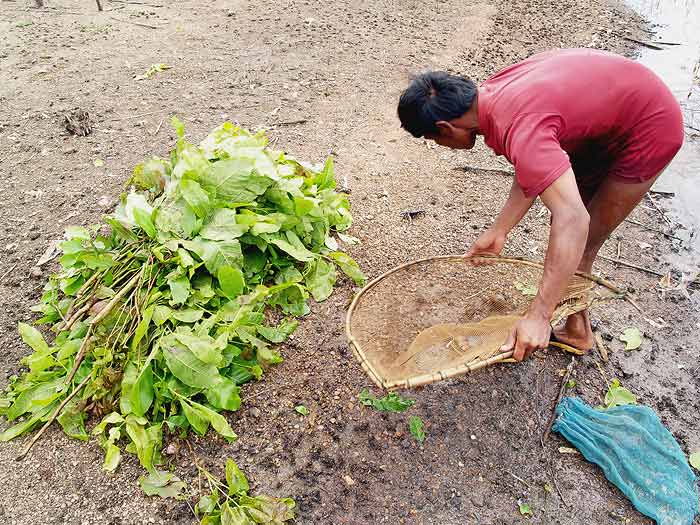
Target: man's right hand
489, 243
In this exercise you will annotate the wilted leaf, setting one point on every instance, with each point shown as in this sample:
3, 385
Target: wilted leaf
162, 483
236, 480
320, 278
524, 509
694, 460
632, 337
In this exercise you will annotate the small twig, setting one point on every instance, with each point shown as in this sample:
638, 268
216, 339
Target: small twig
649, 228
567, 348
556, 485
521, 480
291, 122
643, 43
658, 208
630, 265
118, 296
135, 23
8, 272
564, 380
99, 5
53, 417
663, 193
158, 128
669, 43
601, 347
80, 356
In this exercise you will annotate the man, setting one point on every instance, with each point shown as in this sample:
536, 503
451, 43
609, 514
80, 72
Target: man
588, 132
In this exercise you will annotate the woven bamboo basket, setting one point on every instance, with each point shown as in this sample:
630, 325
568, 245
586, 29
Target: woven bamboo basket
439, 317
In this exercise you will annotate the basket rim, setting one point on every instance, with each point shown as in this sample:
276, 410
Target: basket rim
381, 382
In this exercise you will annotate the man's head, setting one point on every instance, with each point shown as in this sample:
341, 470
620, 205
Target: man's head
441, 107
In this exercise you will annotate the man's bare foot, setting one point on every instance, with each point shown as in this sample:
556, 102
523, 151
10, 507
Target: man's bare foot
576, 332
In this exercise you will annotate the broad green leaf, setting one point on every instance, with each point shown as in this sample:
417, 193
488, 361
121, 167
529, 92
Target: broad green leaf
72, 420
196, 197
28, 424
235, 479
162, 483
618, 395
144, 221
301, 409
206, 504
389, 403
292, 245
415, 426
348, 266
205, 348
113, 418
147, 440
113, 457
161, 314
222, 226
189, 369
35, 398
319, 278
33, 338
231, 281
142, 327
176, 217
234, 516
632, 337
188, 315
235, 180
216, 254
279, 333
141, 392
224, 396
217, 421
199, 423
179, 289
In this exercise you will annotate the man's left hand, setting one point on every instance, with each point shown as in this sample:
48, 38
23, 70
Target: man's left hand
529, 334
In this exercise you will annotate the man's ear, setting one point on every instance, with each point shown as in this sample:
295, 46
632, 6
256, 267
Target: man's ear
444, 127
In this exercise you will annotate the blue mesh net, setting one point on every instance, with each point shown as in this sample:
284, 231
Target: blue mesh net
637, 454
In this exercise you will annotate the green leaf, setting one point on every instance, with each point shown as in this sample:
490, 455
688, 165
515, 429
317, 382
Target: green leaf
147, 440
235, 180
279, 333
144, 221
216, 254
217, 421
292, 245
618, 395
235, 479
199, 423
205, 348
302, 410
632, 337
235, 516
113, 457
188, 315
415, 426
196, 197
179, 289
28, 424
72, 420
348, 266
33, 338
113, 418
141, 392
231, 281
320, 277
524, 509
694, 460
389, 403
570, 383
189, 369
162, 483
225, 395
35, 398
142, 327
222, 226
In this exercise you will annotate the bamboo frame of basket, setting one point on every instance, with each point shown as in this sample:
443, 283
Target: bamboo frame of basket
464, 368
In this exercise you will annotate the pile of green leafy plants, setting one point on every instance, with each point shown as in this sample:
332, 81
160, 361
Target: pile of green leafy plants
179, 297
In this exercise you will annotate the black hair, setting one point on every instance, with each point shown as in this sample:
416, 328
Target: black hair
432, 97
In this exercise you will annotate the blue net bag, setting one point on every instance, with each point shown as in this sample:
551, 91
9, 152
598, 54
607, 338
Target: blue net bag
637, 454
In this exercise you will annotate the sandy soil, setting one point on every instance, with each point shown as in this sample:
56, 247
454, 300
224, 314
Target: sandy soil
324, 78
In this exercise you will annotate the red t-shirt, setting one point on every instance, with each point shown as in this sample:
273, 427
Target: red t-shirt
542, 110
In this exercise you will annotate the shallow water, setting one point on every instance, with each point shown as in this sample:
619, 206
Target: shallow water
678, 21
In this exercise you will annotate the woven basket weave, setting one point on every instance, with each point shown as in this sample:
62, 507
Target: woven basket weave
436, 318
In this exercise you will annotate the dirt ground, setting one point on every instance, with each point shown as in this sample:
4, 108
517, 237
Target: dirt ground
324, 78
